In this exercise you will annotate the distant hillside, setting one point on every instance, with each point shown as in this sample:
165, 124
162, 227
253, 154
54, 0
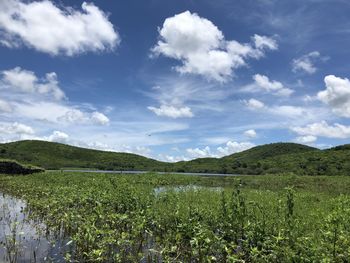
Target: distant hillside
252, 161
52, 155
270, 150
265, 159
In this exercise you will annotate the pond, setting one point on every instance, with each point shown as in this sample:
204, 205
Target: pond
25, 240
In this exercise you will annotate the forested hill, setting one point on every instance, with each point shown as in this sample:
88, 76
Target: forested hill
270, 158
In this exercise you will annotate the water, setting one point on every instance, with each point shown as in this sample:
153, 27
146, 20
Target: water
22, 239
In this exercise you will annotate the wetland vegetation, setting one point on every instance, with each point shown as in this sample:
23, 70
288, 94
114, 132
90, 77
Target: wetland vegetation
178, 218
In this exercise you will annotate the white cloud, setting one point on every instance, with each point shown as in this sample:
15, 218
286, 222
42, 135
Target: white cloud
20, 80
306, 62
254, 104
59, 113
202, 48
229, 148
290, 111
299, 115
171, 159
172, 111
181, 91
58, 136
45, 27
15, 128
199, 153
25, 95
53, 112
308, 98
275, 87
69, 115
307, 139
262, 42
250, 133
336, 95
323, 129
5, 106
99, 118
234, 147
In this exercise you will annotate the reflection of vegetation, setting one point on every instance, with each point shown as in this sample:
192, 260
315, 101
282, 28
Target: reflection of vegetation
120, 218
25, 240
10, 242
274, 158
11, 237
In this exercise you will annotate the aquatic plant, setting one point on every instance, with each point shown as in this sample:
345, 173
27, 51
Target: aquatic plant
121, 218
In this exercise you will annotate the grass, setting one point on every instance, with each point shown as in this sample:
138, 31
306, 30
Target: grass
120, 218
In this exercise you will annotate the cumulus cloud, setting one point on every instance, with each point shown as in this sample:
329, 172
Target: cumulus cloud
44, 26
272, 86
60, 113
229, 148
254, 104
202, 48
307, 139
336, 95
29, 96
99, 118
294, 113
323, 129
262, 42
172, 111
250, 133
67, 115
58, 136
306, 63
15, 128
199, 153
25, 81
234, 147
171, 158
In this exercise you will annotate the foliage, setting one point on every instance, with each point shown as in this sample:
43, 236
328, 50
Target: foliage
126, 218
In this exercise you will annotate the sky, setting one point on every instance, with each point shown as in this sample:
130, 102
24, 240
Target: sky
175, 80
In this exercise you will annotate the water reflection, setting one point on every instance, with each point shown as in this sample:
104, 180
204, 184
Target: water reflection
22, 239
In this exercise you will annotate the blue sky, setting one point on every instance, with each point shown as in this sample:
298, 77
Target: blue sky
175, 80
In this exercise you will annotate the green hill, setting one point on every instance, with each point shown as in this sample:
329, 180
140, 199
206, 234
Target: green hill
252, 161
269, 151
52, 155
265, 159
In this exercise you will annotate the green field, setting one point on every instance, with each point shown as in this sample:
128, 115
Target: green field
178, 218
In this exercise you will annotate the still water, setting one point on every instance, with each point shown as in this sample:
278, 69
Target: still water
25, 240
